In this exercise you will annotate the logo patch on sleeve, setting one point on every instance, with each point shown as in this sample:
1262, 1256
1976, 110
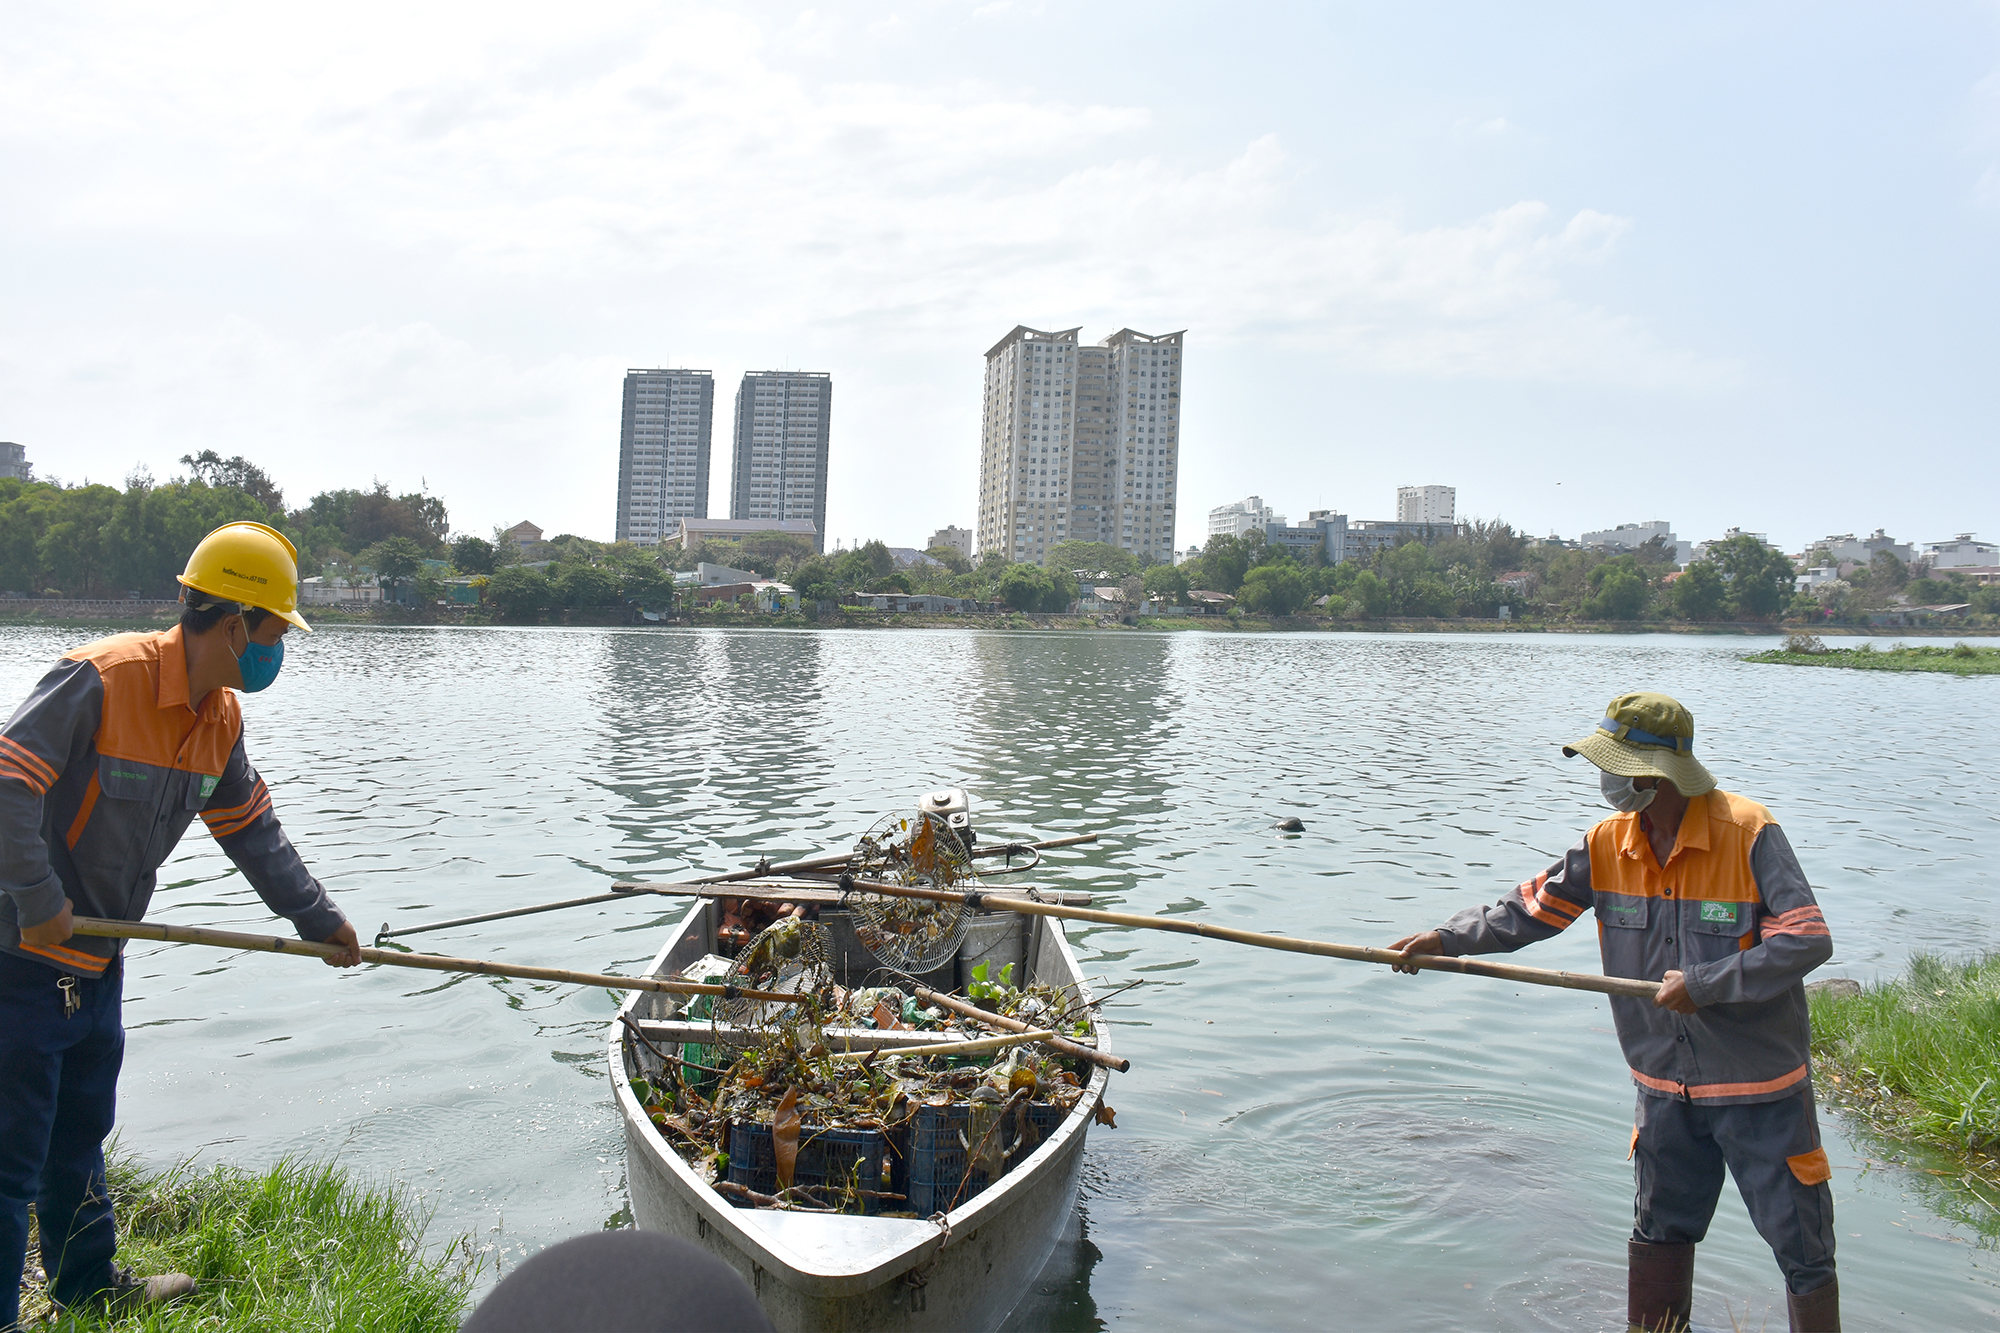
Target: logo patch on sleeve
1725, 912
209, 782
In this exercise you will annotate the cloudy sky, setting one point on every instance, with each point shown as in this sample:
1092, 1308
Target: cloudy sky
1724, 264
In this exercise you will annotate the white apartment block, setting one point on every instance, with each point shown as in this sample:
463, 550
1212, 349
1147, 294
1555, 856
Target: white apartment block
1080, 442
1426, 504
1631, 536
783, 419
663, 452
1243, 516
14, 461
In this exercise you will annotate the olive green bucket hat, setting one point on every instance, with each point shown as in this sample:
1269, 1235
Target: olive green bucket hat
1647, 736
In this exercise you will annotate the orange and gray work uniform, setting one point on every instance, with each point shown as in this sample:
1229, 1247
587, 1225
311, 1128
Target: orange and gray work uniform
101, 771
1730, 1083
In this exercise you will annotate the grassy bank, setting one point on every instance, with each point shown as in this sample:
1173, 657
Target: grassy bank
1959, 660
298, 1247
1917, 1059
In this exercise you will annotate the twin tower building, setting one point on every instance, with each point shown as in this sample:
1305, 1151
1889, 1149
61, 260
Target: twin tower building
1076, 441
778, 474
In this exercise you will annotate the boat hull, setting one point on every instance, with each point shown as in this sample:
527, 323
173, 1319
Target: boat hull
812, 1272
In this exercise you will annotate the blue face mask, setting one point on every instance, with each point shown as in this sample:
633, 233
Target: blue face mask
259, 664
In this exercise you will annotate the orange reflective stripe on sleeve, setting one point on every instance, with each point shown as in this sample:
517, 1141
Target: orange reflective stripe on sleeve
1799, 921
236, 818
1546, 907
17, 760
90, 795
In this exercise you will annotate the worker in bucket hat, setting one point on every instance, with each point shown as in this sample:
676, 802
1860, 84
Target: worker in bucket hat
1697, 889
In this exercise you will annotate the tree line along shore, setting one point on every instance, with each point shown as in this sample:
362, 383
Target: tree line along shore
92, 541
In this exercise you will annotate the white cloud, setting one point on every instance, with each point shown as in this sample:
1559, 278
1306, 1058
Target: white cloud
678, 170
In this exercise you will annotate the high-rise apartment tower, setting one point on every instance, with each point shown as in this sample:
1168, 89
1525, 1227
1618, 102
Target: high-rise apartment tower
782, 421
1080, 442
663, 452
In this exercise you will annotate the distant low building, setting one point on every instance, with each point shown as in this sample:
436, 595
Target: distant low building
1233, 520
1324, 533
1962, 552
336, 591
1631, 536
1208, 602
1846, 549
1367, 536
690, 531
956, 539
523, 534
1700, 549
14, 461
909, 557
921, 603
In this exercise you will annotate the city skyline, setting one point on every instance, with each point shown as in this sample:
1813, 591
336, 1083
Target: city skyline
1502, 250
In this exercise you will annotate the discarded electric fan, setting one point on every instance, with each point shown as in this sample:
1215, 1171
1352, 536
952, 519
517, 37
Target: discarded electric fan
788, 956
930, 849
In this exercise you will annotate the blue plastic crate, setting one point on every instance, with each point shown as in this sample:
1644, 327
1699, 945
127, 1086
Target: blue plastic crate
938, 1159
833, 1157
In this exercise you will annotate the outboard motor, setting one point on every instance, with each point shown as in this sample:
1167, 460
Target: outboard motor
954, 807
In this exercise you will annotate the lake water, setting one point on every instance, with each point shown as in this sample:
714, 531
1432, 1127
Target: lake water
1301, 1143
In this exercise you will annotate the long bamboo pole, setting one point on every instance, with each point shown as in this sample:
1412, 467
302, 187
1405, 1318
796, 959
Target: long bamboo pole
1534, 976
703, 887
427, 962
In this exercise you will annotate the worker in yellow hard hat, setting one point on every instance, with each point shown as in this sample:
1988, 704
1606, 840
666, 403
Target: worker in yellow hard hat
102, 769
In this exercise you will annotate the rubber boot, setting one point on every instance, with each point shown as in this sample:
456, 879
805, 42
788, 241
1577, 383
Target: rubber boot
1818, 1311
1659, 1286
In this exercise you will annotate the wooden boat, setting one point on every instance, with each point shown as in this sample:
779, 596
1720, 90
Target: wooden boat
814, 1271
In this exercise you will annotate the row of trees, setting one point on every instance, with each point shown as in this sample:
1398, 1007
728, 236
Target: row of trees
93, 540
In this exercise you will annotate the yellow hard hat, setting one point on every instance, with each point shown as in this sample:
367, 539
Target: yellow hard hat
250, 564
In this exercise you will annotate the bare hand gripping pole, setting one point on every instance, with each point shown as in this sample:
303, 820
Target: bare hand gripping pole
1534, 976
428, 962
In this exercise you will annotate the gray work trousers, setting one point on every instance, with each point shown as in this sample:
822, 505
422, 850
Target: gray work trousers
1680, 1148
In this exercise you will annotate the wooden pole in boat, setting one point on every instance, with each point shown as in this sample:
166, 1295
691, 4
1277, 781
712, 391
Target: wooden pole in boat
695, 887
974, 1047
428, 962
1534, 976
1074, 1050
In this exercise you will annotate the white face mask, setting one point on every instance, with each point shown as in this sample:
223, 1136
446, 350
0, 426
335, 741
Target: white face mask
1621, 795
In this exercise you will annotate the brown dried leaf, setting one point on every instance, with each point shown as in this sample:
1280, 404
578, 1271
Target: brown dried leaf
1106, 1116
785, 1137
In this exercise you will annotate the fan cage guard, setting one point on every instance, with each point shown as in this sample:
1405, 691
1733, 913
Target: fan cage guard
910, 935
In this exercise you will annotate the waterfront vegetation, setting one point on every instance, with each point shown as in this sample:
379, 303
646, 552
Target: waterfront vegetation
1917, 1060
1959, 660
299, 1247
97, 541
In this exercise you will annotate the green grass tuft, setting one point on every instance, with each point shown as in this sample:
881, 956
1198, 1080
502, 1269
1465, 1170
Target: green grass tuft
1959, 660
298, 1247
1927, 1043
